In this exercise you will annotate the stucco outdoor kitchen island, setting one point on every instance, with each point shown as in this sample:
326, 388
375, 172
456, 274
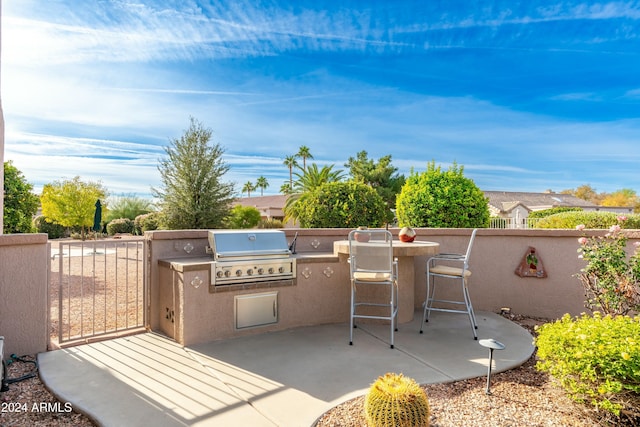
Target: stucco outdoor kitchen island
405, 252
192, 310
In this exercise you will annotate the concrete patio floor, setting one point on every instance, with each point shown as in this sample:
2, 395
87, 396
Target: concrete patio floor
287, 378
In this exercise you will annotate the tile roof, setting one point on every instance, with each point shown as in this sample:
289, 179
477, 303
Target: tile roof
507, 200
274, 201
503, 201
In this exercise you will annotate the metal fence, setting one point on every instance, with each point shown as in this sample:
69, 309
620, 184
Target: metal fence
522, 223
97, 289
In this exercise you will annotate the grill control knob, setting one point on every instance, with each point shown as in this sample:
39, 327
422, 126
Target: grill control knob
271, 270
238, 272
219, 273
250, 271
261, 270
227, 273
281, 269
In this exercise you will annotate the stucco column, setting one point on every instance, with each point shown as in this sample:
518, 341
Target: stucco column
1, 137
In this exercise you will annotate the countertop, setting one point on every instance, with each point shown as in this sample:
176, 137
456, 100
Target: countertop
184, 264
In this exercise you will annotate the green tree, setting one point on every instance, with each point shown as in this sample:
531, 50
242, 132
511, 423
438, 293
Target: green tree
127, 207
285, 188
20, 204
341, 204
290, 162
306, 181
248, 187
314, 176
193, 193
304, 153
71, 203
244, 217
437, 198
380, 175
262, 184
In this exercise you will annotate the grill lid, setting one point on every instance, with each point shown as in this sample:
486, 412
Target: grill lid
240, 244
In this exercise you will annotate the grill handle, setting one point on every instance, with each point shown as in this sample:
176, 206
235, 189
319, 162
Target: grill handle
236, 254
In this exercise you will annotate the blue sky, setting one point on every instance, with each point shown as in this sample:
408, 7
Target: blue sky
526, 96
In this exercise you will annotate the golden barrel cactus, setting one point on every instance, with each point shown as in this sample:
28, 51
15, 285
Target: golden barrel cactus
396, 401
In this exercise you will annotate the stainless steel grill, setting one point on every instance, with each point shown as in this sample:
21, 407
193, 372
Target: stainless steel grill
250, 256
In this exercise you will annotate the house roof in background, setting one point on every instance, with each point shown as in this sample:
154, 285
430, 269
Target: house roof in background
276, 201
504, 201
507, 200
509, 206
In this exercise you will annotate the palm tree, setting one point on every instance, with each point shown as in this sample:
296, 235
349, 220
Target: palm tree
313, 177
308, 180
305, 153
262, 184
290, 162
248, 188
285, 188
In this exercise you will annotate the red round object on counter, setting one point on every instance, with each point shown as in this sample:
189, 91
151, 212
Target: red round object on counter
407, 234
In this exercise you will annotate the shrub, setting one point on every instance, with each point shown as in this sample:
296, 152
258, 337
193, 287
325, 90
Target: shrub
595, 220
595, 359
396, 401
243, 217
146, 222
120, 225
341, 204
437, 198
270, 223
54, 231
611, 281
127, 207
559, 209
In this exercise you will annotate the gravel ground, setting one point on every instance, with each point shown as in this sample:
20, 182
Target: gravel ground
29, 403
519, 397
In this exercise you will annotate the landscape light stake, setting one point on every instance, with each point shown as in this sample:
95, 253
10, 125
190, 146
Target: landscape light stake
491, 344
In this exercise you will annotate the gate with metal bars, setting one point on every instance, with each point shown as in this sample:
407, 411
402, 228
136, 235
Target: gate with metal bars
97, 290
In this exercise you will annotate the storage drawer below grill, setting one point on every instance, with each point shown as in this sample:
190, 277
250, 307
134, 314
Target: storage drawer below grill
253, 310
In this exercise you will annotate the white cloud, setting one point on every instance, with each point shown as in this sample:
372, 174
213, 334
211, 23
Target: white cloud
583, 96
121, 79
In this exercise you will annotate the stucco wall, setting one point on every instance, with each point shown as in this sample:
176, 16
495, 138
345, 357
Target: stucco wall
496, 255
166, 245
324, 299
24, 273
